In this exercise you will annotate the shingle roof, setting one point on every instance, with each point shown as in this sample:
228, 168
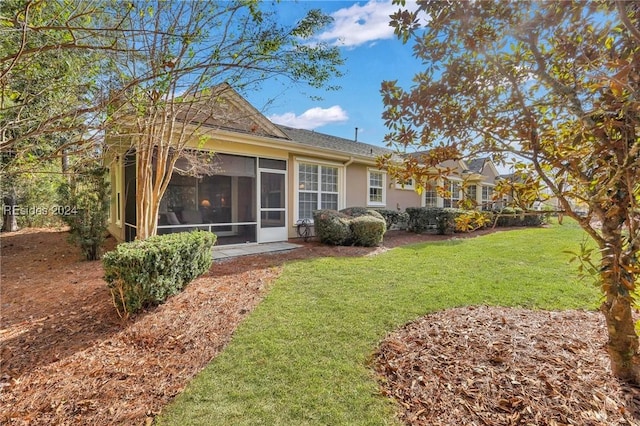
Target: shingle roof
322, 140
477, 164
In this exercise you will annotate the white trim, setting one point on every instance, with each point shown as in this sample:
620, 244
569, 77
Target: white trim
318, 161
119, 199
383, 187
276, 233
342, 184
406, 186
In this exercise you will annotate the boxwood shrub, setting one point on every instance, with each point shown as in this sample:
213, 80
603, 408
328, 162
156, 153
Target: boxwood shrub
443, 220
361, 211
394, 218
351, 226
422, 219
332, 227
145, 273
367, 231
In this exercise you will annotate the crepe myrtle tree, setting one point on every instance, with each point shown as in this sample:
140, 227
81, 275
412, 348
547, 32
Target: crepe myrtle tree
554, 86
182, 60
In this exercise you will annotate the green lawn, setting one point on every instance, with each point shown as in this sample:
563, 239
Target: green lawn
301, 356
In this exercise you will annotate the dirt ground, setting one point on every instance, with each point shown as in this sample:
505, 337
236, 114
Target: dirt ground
67, 358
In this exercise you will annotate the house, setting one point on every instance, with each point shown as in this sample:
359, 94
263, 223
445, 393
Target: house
267, 177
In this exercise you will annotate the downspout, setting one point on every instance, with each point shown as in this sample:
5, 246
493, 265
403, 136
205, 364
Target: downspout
344, 181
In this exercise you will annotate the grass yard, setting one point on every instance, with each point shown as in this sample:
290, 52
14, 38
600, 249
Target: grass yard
302, 356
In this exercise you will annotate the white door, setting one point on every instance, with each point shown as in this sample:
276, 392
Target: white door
272, 220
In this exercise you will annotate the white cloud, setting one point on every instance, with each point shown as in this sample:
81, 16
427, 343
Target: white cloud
357, 25
311, 118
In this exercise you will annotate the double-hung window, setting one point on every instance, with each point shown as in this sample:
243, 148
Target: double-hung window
453, 197
317, 188
471, 194
376, 196
487, 197
407, 184
431, 195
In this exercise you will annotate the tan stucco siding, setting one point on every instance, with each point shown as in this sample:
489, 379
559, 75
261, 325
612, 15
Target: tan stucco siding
358, 190
356, 186
402, 198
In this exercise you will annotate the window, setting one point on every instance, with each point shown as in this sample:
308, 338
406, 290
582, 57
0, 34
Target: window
453, 196
405, 184
487, 198
471, 194
376, 188
472, 191
431, 196
317, 189
115, 210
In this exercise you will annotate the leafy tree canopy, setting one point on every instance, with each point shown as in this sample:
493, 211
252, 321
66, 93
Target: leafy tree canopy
553, 85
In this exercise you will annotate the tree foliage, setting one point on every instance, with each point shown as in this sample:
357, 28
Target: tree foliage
84, 206
172, 83
552, 87
44, 86
51, 56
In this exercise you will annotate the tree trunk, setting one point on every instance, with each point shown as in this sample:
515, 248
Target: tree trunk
617, 308
9, 222
622, 345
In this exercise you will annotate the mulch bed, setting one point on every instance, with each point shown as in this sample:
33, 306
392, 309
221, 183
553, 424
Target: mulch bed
67, 358
501, 366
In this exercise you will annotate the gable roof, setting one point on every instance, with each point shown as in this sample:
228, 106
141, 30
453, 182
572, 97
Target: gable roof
334, 143
224, 108
477, 164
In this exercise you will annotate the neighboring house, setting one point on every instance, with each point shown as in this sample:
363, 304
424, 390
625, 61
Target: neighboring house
268, 177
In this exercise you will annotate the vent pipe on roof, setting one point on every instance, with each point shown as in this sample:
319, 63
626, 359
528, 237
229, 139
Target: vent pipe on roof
356, 139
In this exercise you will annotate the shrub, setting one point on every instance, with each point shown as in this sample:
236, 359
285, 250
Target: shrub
534, 219
367, 231
145, 273
506, 217
394, 218
446, 220
332, 227
84, 206
361, 211
443, 220
353, 226
471, 220
422, 219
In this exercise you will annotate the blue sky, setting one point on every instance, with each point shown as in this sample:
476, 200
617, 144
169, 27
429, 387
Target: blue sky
372, 54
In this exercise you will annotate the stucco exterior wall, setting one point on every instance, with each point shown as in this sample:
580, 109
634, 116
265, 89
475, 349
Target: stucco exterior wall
400, 199
356, 185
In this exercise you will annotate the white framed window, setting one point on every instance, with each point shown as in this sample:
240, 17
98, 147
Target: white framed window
487, 197
318, 188
431, 196
471, 193
453, 197
376, 188
408, 184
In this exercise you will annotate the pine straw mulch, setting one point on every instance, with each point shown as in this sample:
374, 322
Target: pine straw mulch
503, 366
66, 357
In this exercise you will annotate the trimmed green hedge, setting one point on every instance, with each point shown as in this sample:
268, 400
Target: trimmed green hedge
394, 218
367, 231
332, 227
510, 216
352, 226
422, 219
361, 211
145, 273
